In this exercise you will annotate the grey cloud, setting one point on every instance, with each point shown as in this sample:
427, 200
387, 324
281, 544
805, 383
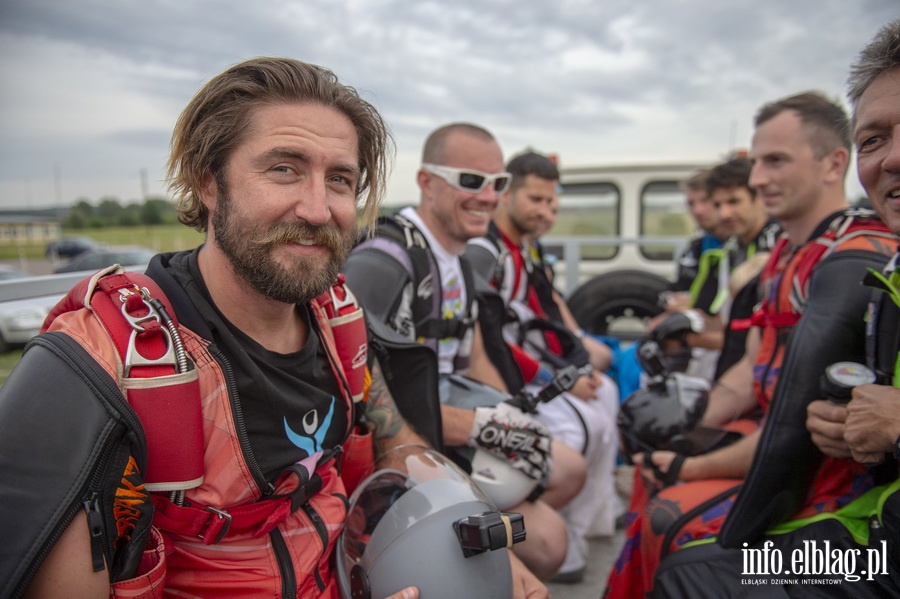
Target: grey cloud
497, 62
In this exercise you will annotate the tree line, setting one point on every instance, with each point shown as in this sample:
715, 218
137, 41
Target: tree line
109, 212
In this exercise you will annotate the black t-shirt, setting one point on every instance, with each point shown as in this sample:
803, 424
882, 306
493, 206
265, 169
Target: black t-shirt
290, 405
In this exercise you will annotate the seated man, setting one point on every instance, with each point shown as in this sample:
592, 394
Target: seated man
808, 285
696, 280
178, 431
410, 277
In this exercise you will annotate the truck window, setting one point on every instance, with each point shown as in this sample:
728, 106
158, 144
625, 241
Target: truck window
663, 214
590, 210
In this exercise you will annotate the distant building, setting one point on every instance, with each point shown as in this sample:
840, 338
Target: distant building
23, 229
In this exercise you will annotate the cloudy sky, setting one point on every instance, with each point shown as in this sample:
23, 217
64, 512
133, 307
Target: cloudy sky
91, 88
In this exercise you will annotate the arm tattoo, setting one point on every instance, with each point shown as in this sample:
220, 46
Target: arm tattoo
382, 414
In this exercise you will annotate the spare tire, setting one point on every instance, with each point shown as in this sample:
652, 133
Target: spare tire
618, 303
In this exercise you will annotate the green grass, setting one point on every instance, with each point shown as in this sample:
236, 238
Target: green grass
7, 361
162, 238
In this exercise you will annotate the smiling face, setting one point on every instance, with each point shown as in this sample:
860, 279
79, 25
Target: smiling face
787, 176
877, 138
283, 212
549, 218
739, 212
455, 216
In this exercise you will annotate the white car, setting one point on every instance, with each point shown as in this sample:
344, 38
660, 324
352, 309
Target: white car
20, 320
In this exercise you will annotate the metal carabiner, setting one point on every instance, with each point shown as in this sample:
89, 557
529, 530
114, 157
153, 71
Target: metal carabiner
132, 356
349, 300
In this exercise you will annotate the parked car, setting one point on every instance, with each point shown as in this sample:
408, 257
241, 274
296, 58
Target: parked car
69, 247
96, 259
21, 320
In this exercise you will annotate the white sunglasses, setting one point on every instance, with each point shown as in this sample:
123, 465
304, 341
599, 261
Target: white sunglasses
468, 180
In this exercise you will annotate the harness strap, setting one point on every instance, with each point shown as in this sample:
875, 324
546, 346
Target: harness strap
143, 342
704, 266
851, 224
443, 328
256, 519
722, 295
213, 525
740, 324
339, 312
159, 381
404, 242
344, 317
778, 320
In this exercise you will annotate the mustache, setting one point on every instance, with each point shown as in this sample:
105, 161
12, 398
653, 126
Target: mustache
327, 235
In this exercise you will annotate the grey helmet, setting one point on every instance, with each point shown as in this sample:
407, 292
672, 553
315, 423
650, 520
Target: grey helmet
419, 521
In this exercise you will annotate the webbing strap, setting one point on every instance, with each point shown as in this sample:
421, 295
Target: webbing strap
778, 320
704, 264
345, 338
258, 518
157, 379
443, 328
740, 324
213, 525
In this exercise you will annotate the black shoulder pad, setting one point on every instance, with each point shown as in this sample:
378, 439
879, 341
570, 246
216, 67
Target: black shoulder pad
65, 436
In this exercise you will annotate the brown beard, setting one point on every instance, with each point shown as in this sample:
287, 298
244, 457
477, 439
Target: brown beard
249, 249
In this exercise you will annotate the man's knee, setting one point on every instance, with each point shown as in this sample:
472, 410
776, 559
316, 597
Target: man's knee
568, 475
544, 549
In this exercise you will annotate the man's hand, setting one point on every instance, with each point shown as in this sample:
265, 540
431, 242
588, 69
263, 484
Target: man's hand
508, 433
585, 388
825, 421
663, 463
677, 301
873, 422
525, 584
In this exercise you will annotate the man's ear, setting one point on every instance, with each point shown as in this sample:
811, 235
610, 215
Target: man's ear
208, 192
423, 178
836, 163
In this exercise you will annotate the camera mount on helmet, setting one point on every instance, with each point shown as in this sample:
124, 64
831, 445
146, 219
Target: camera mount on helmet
418, 520
489, 531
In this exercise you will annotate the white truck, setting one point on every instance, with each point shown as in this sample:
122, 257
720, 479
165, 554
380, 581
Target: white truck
615, 238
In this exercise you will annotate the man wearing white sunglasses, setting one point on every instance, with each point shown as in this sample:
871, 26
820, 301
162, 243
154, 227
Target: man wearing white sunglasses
409, 276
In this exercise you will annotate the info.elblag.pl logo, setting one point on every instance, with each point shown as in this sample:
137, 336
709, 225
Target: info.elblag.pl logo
810, 563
